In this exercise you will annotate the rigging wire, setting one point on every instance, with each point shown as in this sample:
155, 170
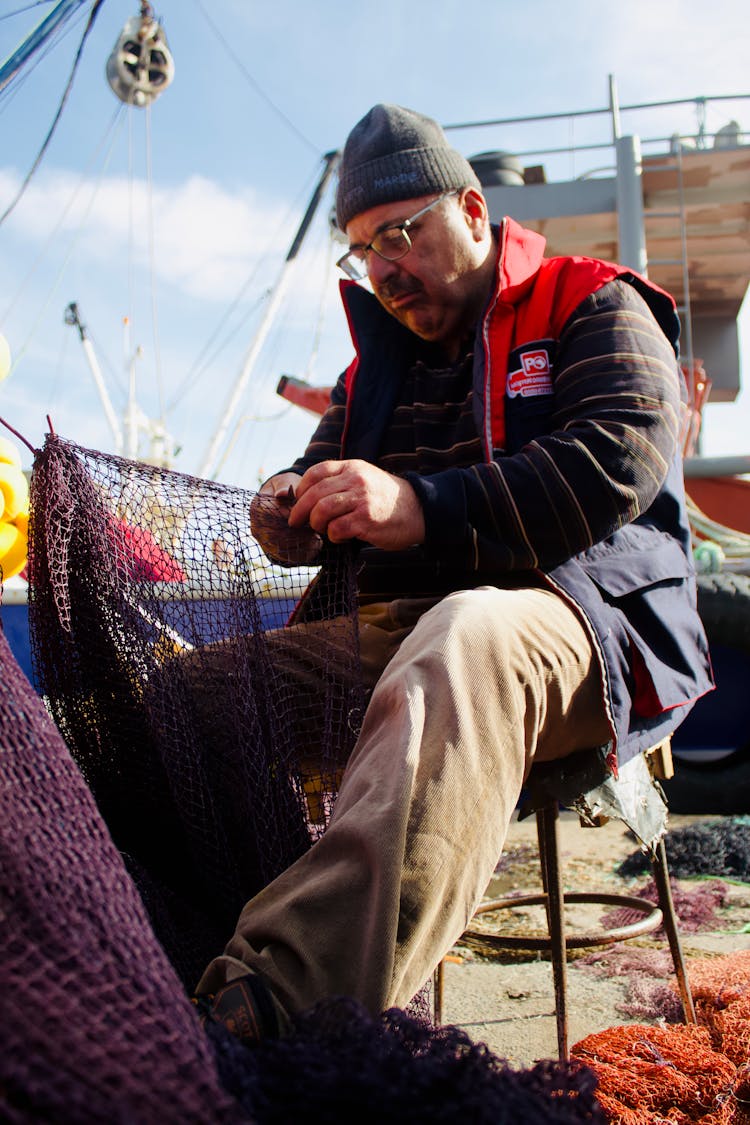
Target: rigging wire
59, 373
130, 257
205, 359
45, 144
131, 353
113, 371
56, 36
277, 337
35, 41
265, 426
281, 410
20, 11
110, 130
238, 426
252, 82
322, 303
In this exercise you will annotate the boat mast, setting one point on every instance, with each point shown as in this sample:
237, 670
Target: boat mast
73, 318
132, 414
208, 466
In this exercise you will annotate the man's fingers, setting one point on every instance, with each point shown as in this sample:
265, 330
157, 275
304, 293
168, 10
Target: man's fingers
318, 474
319, 487
321, 505
280, 485
357, 500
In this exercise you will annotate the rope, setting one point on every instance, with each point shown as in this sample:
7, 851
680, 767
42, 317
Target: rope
714, 544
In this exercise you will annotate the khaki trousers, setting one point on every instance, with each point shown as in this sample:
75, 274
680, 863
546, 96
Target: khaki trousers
475, 687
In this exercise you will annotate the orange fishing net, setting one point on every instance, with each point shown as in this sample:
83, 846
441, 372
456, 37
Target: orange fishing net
679, 1074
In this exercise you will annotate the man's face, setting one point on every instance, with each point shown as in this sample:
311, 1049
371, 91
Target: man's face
439, 288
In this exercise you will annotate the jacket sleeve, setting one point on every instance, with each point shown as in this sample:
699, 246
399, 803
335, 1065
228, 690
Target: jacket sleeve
611, 436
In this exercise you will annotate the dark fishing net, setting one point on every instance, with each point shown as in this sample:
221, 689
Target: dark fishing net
715, 847
211, 733
95, 1024
133, 638
96, 1027
341, 1065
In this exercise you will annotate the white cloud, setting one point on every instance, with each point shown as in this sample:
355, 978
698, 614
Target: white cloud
212, 230
206, 240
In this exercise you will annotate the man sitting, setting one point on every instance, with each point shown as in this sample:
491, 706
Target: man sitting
505, 449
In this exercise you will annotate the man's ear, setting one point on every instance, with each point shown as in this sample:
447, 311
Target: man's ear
476, 212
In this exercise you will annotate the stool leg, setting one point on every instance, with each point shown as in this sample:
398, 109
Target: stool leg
438, 984
546, 821
666, 902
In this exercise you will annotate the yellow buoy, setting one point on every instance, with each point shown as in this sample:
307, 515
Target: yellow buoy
9, 453
14, 550
14, 491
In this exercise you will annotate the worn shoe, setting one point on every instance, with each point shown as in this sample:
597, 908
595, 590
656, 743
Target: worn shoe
246, 1007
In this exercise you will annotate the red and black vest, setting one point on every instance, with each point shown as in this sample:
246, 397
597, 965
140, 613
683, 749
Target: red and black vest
637, 588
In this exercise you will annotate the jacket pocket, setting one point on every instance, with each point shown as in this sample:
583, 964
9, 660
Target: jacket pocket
645, 579
641, 557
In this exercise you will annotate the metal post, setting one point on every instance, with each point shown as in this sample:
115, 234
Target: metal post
131, 410
614, 108
73, 318
275, 295
630, 228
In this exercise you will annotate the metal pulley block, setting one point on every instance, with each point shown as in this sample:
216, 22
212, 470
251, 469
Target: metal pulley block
141, 65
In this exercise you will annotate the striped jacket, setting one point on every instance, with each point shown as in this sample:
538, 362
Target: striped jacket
578, 401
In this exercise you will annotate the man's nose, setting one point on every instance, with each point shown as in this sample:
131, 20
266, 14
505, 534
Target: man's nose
380, 270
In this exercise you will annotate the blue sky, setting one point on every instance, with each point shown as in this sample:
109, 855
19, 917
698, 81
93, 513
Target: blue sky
190, 252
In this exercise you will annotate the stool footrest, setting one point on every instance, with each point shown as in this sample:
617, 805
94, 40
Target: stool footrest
585, 782
651, 921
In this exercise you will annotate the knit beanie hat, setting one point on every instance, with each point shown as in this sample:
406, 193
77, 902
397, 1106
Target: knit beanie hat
394, 153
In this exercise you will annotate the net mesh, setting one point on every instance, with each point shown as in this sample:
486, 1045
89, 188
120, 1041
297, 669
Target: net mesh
340, 1065
95, 1025
678, 1074
211, 731
698, 907
715, 847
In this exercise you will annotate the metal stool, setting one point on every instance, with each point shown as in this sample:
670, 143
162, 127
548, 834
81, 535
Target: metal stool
584, 782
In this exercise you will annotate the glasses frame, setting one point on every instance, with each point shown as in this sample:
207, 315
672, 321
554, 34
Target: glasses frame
354, 265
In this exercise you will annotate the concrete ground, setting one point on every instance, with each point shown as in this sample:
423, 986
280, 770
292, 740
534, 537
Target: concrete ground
506, 1000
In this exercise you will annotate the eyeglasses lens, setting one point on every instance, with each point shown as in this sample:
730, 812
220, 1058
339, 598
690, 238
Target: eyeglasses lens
392, 244
353, 266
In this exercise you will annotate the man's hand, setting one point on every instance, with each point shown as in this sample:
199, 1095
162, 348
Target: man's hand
280, 484
356, 500
269, 523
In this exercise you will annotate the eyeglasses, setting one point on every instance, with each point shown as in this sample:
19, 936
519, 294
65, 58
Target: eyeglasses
390, 244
